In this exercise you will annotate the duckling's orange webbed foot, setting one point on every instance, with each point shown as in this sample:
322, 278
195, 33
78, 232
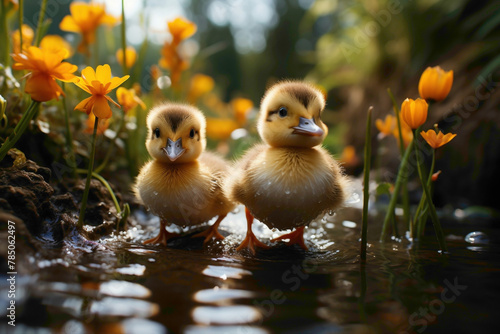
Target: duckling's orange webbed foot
296, 237
162, 237
212, 231
251, 241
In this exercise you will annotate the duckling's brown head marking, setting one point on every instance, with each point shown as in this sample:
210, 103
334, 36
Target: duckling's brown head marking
176, 133
290, 115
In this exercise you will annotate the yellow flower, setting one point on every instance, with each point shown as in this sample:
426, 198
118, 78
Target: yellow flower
131, 55
200, 84
386, 126
56, 43
28, 36
435, 83
85, 18
220, 128
241, 108
45, 66
101, 127
99, 83
127, 99
414, 112
181, 29
438, 139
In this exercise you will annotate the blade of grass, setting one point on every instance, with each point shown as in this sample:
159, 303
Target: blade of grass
38, 35
366, 184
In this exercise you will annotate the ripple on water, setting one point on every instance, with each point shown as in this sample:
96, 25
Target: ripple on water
226, 315
133, 269
221, 296
224, 330
124, 289
225, 272
123, 307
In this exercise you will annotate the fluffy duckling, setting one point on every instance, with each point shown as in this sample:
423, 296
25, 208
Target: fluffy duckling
182, 184
289, 180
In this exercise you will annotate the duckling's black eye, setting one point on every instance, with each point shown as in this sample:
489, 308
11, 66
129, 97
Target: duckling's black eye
191, 133
157, 133
282, 112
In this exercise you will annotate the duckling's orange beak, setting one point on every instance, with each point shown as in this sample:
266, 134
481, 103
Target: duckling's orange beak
174, 149
307, 127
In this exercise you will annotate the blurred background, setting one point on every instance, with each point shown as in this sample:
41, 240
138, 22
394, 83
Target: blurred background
353, 50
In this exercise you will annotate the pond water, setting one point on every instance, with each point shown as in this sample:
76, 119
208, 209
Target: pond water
120, 285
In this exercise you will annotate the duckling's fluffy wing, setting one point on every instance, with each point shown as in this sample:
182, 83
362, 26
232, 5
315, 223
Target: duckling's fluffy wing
219, 171
236, 184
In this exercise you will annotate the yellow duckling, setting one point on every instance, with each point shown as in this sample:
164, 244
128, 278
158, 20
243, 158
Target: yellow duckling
182, 184
289, 180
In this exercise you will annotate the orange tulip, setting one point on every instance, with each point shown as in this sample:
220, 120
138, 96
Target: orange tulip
241, 108
181, 29
85, 18
386, 126
435, 83
45, 66
28, 35
406, 132
438, 139
131, 55
128, 100
98, 83
56, 43
414, 112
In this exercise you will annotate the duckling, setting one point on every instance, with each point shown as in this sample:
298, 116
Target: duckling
288, 180
182, 184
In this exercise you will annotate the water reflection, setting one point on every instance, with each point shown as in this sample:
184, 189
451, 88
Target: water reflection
221, 296
123, 307
224, 272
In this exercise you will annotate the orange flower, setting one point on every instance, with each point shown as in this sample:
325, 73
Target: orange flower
85, 18
171, 59
56, 43
220, 128
181, 29
241, 108
436, 140
28, 36
131, 55
406, 132
45, 66
99, 83
386, 126
414, 112
128, 100
349, 157
200, 84
435, 83
101, 127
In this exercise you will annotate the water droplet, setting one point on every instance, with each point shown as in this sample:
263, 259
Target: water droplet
287, 192
331, 213
155, 193
477, 238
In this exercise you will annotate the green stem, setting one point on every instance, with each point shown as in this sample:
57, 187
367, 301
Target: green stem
124, 40
69, 136
111, 145
20, 13
399, 182
4, 35
432, 209
38, 35
83, 205
19, 129
366, 184
421, 219
405, 195
106, 184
